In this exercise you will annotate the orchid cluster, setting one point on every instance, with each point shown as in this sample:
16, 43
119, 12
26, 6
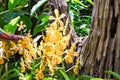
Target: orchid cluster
53, 49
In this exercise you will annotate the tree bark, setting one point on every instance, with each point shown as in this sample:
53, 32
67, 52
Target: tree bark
101, 50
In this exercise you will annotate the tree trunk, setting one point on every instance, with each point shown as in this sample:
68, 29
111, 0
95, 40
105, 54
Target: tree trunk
101, 51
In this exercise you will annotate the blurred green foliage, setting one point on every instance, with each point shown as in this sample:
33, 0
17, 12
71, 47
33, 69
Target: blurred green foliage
14, 11
80, 12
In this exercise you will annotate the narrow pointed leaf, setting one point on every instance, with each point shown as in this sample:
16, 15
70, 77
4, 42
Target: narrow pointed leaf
37, 6
114, 74
91, 2
79, 2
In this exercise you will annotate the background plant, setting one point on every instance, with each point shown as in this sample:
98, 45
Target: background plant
14, 11
80, 12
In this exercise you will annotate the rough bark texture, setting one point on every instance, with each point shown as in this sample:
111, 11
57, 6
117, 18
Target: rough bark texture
101, 51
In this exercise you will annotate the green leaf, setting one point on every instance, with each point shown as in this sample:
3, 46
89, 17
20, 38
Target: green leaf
1, 22
10, 74
11, 15
49, 78
67, 0
27, 21
43, 18
79, 2
37, 6
71, 15
28, 77
39, 28
96, 79
72, 76
85, 77
91, 2
13, 75
83, 26
64, 74
21, 2
13, 3
1, 9
11, 26
14, 21
114, 74
1, 68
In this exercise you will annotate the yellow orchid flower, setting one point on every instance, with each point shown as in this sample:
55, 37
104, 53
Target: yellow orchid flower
13, 46
76, 69
68, 58
23, 67
42, 67
56, 60
1, 61
70, 54
39, 75
21, 26
57, 17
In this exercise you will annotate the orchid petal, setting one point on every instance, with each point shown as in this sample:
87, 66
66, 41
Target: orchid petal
66, 22
61, 23
62, 16
52, 18
56, 13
